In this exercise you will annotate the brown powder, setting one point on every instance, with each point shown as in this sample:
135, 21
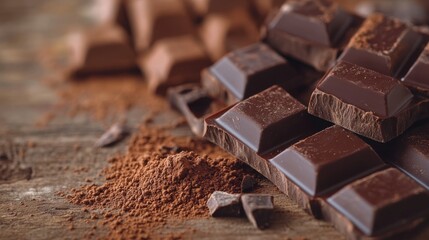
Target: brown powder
159, 178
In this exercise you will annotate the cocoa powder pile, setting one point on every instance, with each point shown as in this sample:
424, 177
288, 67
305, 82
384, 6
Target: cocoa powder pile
159, 178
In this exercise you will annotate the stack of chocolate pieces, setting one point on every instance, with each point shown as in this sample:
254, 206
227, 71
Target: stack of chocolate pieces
318, 65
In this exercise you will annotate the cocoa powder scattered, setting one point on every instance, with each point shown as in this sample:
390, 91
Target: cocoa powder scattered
160, 177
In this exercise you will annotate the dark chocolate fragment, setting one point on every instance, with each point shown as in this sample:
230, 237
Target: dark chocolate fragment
365, 102
174, 61
223, 33
247, 71
154, 20
384, 45
381, 202
258, 209
418, 76
103, 49
248, 183
327, 160
263, 8
310, 31
113, 135
266, 120
222, 204
194, 103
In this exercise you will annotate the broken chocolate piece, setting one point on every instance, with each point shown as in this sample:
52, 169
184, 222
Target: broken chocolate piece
383, 44
113, 135
223, 33
418, 76
249, 70
248, 183
310, 31
382, 201
104, 49
222, 204
154, 20
258, 209
174, 61
327, 160
365, 102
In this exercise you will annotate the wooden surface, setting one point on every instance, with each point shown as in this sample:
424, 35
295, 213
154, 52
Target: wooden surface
61, 155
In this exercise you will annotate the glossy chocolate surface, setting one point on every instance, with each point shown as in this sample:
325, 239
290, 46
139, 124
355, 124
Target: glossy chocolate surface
418, 76
381, 201
327, 160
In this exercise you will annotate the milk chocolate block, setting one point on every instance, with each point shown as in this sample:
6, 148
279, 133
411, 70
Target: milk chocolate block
364, 101
258, 209
384, 45
201, 8
310, 31
100, 50
410, 153
379, 203
154, 20
327, 160
418, 76
249, 70
266, 120
223, 33
222, 204
194, 103
174, 61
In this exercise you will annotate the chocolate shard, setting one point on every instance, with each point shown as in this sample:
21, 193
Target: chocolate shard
223, 33
249, 70
327, 160
366, 102
410, 153
266, 120
310, 31
248, 183
384, 45
194, 103
174, 61
381, 202
258, 209
103, 49
222, 204
154, 20
417, 77
114, 134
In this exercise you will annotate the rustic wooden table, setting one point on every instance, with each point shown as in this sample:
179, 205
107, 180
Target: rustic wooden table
43, 161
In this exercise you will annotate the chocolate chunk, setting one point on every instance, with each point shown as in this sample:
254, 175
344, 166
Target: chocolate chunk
310, 31
174, 61
154, 20
258, 209
327, 160
247, 71
266, 120
417, 78
384, 45
194, 103
113, 135
382, 201
410, 153
222, 204
104, 49
248, 183
365, 102
223, 33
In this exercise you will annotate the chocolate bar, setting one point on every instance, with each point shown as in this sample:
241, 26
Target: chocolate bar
327, 160
222, 204
380, 205
154, 20
417, 78
366, 102
247, 71
258, 209
100, 50
174, 61
384, 45
201, 8
222, 33
311, 31
194, 103
113, 12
